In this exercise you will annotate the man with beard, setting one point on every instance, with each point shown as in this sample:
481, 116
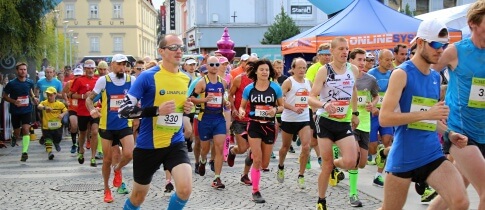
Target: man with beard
112, 129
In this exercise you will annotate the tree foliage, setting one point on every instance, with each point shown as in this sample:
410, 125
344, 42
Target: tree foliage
283, 28
22, 26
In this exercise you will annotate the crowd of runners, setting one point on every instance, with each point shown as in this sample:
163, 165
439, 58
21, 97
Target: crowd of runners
415, 111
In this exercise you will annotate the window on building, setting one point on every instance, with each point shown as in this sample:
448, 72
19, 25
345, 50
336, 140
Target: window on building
70, 11
93, 11
94, 44
117, 11
449, 3
422, 7
118, 44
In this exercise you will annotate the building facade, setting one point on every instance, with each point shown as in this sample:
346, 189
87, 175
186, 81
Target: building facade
201, 22
108, 27
419, 7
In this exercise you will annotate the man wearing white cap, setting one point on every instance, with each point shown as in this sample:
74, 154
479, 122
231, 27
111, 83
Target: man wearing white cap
465, 97
72, 108
241, 67
112, 129
416, 154
80, 89
369, 61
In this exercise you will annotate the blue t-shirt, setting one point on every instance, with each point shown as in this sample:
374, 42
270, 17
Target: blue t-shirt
43, 84
382, 79
258, 100
18, 90
467, 117
413, 146
154, 87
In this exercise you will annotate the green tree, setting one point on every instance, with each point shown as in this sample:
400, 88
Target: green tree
283, 28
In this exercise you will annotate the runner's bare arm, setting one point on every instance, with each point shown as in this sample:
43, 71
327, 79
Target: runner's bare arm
449, 59
129, 110
89, 101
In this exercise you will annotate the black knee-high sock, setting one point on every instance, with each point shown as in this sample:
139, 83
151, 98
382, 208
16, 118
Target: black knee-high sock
74, 136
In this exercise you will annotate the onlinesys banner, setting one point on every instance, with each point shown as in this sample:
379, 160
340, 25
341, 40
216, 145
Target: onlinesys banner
366, 42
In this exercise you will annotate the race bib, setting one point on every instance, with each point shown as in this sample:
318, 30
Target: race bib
422, 104
342, 108
115, 102
170, 120
477, 93
24, 100
74, 102
262, 111
301, 99
216, 102
362, 97
54, 124
381, 98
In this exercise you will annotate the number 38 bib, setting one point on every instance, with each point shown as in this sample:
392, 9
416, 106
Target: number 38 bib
477, 94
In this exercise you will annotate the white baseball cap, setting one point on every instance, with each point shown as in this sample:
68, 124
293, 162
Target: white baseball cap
244, 57
254, 55
190, 61
429, 30
90, 65
78, 72
369, 55
119, 58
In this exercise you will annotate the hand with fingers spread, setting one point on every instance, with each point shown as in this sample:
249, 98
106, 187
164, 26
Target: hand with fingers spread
166, 108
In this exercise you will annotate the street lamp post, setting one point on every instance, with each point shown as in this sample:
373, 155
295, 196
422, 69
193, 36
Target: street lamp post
57, 39
70, 47
65, 41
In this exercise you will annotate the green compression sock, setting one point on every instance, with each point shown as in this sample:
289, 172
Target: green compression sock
25, 143
353, 175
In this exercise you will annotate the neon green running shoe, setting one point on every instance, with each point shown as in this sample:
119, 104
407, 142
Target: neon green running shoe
280, 175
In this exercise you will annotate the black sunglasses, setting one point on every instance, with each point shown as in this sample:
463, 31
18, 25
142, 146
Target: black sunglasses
139, 68
369, 60
173, 47
214, 64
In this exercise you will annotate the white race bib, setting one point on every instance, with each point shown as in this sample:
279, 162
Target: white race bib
301, 99
74, 102
53, 124
381, 98
115, 101
362, 96
24, 100
342, 108
262, 111
170, 120
422, 104
477, 93
216, 102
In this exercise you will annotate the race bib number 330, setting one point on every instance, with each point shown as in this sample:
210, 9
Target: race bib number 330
171, 122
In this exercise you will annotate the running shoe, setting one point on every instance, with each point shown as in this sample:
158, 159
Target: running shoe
58, 147
298, 141
51, 156
217, 184
107, 196
24, 157
332, 180
13, 141
230, 157
319, 161
80, 158
378, 181
99, 156
354, 201
321, 206
211, 163
245, 180
371, 162
93, 162
88, 144
168, 187
280, 175
308, 164
122, 189
265, 170
292, 150
196, 168
201, 169
380, 161
257, 198
301, 182
339, 174
272, 155
117, 180
189, 146
428, 195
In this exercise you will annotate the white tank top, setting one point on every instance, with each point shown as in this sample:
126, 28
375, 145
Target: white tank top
338, 90
297, 96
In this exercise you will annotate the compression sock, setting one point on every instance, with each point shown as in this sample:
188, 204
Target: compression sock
176, 203
25, 143
255, 178
353, 175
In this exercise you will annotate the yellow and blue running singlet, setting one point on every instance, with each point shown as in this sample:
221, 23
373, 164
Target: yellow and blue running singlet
153, 87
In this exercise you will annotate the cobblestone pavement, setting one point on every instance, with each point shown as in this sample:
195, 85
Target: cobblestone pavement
31, 184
